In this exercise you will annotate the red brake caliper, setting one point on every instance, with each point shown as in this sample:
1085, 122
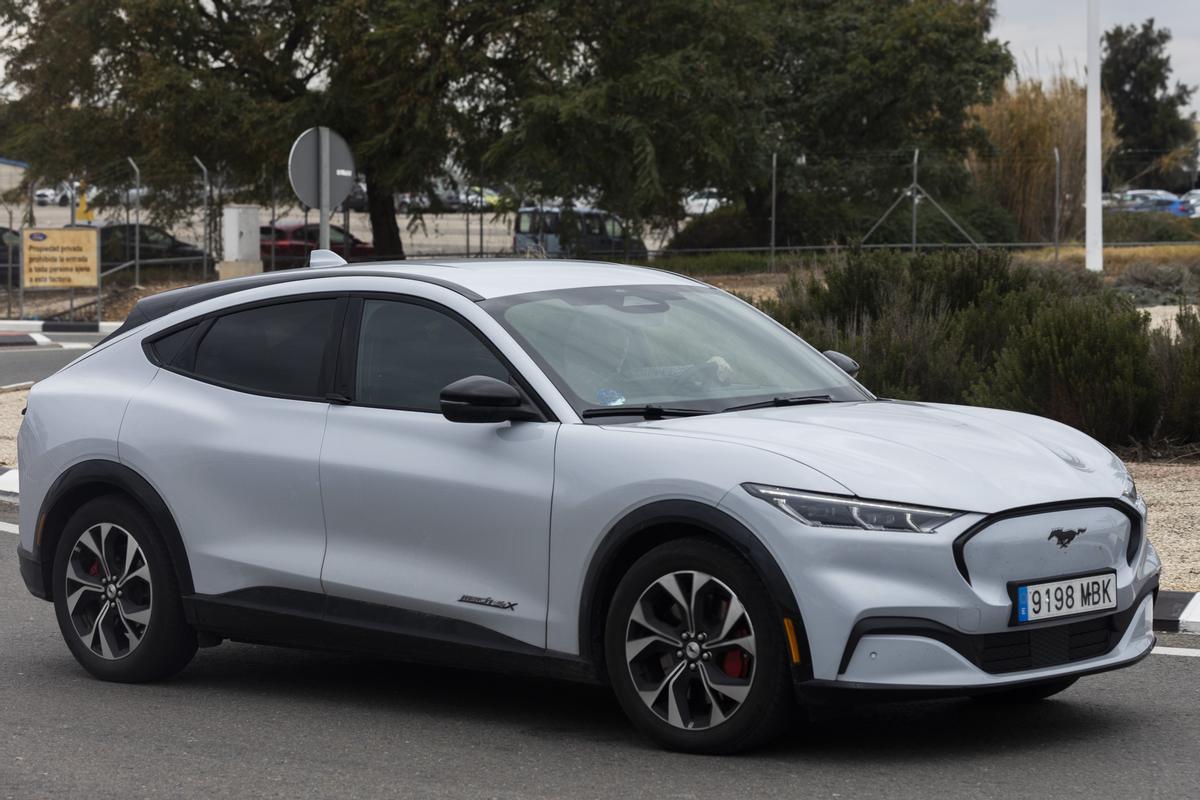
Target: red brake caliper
735, 664
94, 569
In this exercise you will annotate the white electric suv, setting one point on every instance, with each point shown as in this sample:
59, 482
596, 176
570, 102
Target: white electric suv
582, 470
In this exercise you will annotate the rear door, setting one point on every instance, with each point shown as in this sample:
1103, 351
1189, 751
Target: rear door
443, 523
229, 433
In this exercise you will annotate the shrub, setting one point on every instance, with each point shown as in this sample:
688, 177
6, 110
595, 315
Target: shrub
1177, 361
960, 326
1084, 361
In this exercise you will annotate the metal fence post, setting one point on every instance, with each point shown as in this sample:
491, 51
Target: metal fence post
915, 194
774, 164
1057, 200
137, 222
207, 220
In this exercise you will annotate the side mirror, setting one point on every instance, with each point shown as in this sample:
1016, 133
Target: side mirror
483, 399
845, 363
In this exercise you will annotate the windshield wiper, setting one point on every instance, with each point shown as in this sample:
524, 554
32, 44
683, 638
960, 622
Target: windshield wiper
799, 400
645, 412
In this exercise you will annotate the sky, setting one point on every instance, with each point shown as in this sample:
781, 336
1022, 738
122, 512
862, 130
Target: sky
1044, 33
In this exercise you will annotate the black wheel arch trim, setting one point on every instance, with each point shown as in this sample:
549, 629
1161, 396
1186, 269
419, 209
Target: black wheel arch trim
1136, 532
118, 478
683, 514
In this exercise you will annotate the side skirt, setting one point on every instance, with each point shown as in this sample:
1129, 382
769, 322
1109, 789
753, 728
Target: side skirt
290, 618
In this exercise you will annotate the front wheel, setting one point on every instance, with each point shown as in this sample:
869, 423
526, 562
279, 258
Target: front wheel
116, 596
695, 651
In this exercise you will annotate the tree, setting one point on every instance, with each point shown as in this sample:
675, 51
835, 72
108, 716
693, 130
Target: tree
633, 104
1155, 134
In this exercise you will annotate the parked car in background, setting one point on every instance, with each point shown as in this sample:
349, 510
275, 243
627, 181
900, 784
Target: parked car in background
117, 245
1193, 199
1140, 195
580, 231
1148, 204
702, 202
61, 194
479, 198
295, 240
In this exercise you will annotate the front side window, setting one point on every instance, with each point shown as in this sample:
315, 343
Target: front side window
407, 353
675, 346
277, 349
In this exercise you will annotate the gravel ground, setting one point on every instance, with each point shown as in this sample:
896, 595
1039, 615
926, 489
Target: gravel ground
11, 404
1171, 490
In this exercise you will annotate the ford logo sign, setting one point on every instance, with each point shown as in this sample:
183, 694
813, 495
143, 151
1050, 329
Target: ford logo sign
37, 236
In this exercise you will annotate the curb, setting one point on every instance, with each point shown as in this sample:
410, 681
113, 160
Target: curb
55, 326
1174, 612
9, 339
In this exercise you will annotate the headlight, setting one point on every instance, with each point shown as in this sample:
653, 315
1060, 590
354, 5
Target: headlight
1129, 490
833, 511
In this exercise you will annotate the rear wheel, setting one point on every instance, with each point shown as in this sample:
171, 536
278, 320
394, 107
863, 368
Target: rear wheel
695, 650
116, 597
1030, 693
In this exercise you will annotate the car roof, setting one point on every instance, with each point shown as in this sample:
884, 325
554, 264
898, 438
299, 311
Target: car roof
476, 279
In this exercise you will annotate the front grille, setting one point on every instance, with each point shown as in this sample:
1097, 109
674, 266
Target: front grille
1047, 647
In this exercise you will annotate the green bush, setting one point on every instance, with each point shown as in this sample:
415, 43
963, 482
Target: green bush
1177, 361
1084, 361
729, 226
966, 327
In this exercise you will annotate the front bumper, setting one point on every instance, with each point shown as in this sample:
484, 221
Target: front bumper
960, 662
897, 611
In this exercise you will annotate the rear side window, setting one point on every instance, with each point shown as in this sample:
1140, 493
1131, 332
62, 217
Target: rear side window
167, 348
279, 349
408, 353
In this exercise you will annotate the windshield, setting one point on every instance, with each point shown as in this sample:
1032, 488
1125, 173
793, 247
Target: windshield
670, 346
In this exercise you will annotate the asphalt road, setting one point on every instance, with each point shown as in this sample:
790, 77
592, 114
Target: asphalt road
20, 364
246, 721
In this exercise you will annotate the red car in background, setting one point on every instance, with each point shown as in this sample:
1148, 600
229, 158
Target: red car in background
295, 240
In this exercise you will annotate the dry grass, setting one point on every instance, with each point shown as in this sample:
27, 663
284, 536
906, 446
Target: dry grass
1024, 123
1117, 260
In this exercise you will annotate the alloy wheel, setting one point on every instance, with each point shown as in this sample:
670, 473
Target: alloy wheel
690, 649
108, 591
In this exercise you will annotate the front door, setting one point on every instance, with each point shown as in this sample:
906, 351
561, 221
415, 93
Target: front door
448, 520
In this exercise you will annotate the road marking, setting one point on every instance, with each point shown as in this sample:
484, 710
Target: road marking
10, 482
1177, 651
41, 338
8, 527
74, 345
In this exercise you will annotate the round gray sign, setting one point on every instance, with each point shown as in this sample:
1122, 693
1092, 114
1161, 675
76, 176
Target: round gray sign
304, 168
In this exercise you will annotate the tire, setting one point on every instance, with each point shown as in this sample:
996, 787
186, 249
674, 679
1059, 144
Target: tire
1030, 693
673, 666
120, 615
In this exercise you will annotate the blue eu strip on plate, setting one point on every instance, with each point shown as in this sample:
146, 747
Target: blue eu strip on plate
1022, 604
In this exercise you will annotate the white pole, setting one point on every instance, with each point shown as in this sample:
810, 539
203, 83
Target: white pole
1095, 217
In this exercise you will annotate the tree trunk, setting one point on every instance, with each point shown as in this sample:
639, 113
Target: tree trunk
385, 231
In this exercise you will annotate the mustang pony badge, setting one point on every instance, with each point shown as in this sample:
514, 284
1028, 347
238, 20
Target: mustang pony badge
1064, 538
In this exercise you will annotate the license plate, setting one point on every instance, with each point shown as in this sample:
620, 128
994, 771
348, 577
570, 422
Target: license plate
1038, 601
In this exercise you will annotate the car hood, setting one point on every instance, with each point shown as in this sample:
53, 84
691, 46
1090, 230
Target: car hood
958, 457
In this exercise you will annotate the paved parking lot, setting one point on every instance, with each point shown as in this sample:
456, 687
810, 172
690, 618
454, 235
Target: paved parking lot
256, 721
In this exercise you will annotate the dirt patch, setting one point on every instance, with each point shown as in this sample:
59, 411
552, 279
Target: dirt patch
755, 287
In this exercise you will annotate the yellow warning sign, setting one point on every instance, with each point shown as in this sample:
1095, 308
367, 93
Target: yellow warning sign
60, 258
